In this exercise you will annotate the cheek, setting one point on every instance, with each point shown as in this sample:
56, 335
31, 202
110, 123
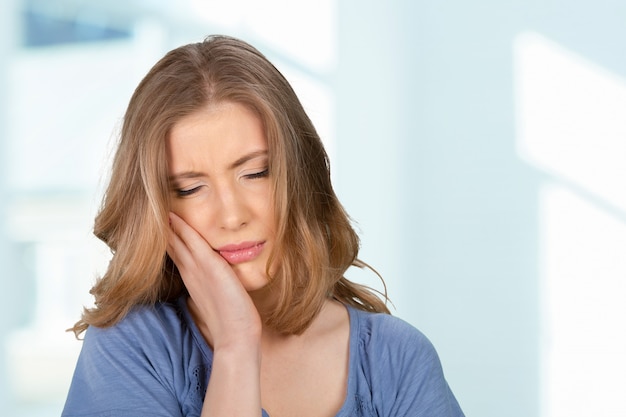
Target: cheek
270, 222
263, 205
264, 213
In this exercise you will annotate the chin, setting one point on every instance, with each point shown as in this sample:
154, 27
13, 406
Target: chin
252, 281
252, 287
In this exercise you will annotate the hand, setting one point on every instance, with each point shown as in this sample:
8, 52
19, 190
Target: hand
225, 308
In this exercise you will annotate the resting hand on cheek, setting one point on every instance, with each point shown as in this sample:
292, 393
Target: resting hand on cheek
225, 308
227, 318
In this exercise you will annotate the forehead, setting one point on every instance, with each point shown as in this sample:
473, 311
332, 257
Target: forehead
217, 134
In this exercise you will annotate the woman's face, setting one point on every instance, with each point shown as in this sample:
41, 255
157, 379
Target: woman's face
219, 180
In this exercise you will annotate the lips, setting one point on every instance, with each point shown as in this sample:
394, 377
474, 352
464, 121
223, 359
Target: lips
242, 252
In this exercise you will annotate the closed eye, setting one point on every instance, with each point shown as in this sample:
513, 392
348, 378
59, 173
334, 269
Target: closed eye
261, 174
187, 192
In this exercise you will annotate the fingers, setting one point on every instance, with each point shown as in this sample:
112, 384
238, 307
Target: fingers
192, 254
175, 244
186, 246
183, 235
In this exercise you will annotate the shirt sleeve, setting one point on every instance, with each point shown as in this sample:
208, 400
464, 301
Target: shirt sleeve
408, 378
124, 371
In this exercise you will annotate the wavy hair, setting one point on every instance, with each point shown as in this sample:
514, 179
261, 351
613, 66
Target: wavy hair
316, 242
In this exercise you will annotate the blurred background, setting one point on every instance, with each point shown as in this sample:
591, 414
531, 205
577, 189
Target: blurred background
479, 146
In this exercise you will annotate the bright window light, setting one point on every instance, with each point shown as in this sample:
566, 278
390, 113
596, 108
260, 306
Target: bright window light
571, 127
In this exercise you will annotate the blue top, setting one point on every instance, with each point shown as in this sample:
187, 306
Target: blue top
156, 363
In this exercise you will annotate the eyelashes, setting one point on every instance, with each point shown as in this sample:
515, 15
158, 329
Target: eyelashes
187, 192
261, 174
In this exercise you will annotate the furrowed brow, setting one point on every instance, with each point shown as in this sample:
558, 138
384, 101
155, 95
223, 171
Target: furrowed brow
247, 157
184, 175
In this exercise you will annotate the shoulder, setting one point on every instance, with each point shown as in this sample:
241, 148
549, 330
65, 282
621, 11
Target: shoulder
141, 364
398, 368
391, 349
378, 331
152, 339
149, 339
141, 325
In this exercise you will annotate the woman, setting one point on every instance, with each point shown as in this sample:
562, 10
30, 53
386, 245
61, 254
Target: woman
225, 293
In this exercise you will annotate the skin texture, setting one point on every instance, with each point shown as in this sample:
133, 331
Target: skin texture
221, 234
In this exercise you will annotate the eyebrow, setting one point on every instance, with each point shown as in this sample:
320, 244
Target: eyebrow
252, 155
239, 162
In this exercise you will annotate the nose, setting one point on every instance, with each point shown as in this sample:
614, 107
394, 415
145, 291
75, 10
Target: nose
232, 210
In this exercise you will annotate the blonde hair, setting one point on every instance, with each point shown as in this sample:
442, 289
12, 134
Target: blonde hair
316, 243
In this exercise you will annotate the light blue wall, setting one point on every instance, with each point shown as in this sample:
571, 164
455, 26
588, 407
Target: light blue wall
428, 167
